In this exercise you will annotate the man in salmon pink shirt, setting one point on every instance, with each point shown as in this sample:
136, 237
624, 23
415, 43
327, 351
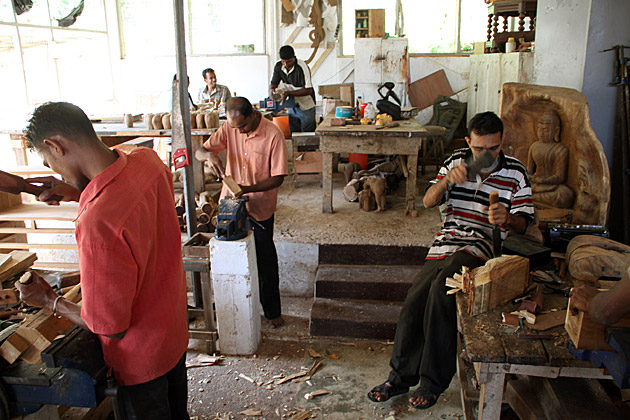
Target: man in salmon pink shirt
128, 241
257, 160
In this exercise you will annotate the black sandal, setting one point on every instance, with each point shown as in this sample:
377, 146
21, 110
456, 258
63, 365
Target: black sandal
386, 390
429, 397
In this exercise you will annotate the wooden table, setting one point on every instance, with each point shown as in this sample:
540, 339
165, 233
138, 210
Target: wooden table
403, 140
495, 353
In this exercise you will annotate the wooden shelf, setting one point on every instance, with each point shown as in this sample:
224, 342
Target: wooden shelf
369, 23
40, 211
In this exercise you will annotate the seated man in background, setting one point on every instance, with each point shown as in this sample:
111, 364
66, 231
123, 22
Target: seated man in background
293, 76
605, 308
212, 92
425, 346
129, 245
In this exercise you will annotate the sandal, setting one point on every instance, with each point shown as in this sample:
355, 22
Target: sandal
385, 391
430, 398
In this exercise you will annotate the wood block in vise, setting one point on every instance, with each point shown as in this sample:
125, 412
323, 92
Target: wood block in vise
232, 186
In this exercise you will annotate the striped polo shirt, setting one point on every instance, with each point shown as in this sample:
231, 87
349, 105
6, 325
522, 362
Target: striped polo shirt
466, 227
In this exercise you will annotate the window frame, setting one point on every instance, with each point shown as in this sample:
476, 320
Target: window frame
50, 28
189, 35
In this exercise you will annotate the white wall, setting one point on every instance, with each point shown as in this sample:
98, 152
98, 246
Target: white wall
561, 35
570, 35
608, 26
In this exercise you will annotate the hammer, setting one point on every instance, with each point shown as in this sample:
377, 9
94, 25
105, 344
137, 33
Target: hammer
496, 230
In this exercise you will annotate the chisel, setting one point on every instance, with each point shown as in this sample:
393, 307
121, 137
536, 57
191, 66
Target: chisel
496, 231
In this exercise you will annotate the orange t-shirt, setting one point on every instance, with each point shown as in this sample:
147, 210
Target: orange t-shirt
132, 276
251, 158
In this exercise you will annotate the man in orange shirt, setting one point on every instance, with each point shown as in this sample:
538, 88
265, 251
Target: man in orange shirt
128, 240
257, 160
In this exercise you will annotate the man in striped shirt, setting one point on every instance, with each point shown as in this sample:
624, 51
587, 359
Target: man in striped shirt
425, 346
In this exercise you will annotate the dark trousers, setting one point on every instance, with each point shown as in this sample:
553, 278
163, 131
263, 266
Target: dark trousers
425, 346
267, 262
163, 398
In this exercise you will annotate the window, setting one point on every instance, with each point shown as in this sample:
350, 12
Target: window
57, 50
430, 26
213, 27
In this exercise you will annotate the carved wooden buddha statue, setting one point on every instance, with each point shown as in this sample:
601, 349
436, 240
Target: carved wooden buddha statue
547, 164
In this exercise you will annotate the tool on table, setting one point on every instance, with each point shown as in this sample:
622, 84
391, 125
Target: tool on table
231, 219
388, 125
496, 230
385, 106
340, 122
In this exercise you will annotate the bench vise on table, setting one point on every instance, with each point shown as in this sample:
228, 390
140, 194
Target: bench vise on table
73, 373
231, 219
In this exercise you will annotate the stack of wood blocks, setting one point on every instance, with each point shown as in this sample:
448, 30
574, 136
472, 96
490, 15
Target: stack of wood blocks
206, 209
36, 332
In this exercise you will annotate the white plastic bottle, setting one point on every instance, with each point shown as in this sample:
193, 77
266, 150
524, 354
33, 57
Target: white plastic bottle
510, 45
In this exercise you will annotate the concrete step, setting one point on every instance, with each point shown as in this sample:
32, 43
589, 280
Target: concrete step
357, 319
365, 282
372, 254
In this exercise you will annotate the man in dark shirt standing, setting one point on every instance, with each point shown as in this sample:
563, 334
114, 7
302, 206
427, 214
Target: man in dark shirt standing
293, 76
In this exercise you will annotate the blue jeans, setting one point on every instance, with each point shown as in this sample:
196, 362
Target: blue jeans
301, 120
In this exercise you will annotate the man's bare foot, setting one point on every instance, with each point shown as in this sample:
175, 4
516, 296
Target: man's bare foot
276, 322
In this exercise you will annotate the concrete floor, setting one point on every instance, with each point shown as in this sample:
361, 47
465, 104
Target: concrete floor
350, 368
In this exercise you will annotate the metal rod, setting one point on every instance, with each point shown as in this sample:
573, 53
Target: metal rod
181, 116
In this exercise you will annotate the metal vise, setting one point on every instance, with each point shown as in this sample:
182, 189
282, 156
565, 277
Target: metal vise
231, 219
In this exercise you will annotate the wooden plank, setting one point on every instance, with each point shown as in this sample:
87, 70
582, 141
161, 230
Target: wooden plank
41, 211
523, 401
573, 398
19, 245
321, 59
20, 261
587, 335
424, 92
60, 231
525, 352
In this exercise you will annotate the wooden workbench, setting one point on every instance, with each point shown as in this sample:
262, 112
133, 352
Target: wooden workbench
403, 140
495, 352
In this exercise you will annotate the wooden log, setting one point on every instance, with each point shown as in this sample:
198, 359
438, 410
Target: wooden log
586, 334
200, 120
180, 207
351, 190
166, 121
157, 122
498, 281
206, 203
